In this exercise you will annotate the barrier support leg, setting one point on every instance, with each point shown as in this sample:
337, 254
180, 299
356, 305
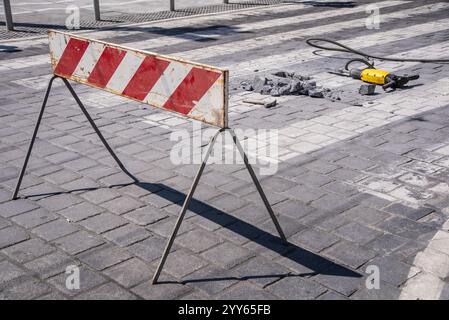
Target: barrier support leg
36, 128
258, 186
33, 138
185, 207
97, 131
192, 190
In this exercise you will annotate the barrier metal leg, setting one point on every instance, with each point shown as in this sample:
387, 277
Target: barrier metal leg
258, 186
192, 190
94, 126
33, 138
97, 10
8, 15
184, 208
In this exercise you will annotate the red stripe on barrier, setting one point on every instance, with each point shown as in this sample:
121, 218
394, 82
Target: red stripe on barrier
105, 67
146, 76
71, 56
191, 90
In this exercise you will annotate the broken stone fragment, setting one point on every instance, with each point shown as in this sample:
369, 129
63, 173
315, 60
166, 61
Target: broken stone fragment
367, 89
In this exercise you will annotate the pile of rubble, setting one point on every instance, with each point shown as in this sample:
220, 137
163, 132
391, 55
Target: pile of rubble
283, 83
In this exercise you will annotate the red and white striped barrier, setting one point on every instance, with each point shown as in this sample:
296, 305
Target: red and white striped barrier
194, 90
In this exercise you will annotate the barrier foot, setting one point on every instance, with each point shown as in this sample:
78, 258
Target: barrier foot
33, 139
192, 190
97, 131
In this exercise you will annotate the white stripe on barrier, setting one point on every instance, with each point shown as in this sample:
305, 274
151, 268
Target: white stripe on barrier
125, 72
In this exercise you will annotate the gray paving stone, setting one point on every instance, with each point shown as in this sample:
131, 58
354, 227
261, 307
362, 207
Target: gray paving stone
4, 223
289, 226
54, 295
130, 272
104, 257
387, 243
100, 195
127, 235
331, 295
296, 288
408, 212
88, 280
349, 254
198, 240
261, 271
226, 255
13, 208
228, 203
59, 202
103, 222
146, 215
277, 184
240, 233
50, 265
304, 193
216, 221
335, 203
313, 239
385, 292
24, 290
12, 235
108, 291
357, 233
54, 229
393, 271
78, 242
180, 263
405, 228
4, 196
366, 215
165, 227
251, 213
9, 271
62, 176
34, 218
28, 250
162, 291
150, 249
242, 290
81, 211
293, 209
122, 204
340, 280
211, 280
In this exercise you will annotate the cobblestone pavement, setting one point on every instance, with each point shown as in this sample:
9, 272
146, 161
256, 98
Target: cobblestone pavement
356, 186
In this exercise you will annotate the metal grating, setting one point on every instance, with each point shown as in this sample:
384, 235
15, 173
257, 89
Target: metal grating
37, 30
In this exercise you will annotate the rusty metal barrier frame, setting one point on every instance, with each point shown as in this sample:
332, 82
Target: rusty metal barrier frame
195, 182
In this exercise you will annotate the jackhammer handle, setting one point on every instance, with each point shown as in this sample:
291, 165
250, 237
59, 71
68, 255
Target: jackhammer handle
413, 77
390, 84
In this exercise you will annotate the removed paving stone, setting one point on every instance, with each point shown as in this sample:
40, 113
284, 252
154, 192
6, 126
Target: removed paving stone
367, 89
268, 104
283, 83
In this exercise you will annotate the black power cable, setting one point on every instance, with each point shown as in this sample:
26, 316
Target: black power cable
347, 49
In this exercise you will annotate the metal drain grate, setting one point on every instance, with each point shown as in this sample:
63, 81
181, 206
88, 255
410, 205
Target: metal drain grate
37, 30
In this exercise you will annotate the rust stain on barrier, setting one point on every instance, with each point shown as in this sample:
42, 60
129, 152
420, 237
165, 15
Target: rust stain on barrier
192, 89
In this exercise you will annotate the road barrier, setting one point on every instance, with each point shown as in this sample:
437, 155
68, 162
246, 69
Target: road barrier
193, 90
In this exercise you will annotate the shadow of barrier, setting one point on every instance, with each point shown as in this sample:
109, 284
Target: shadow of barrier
195, 91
